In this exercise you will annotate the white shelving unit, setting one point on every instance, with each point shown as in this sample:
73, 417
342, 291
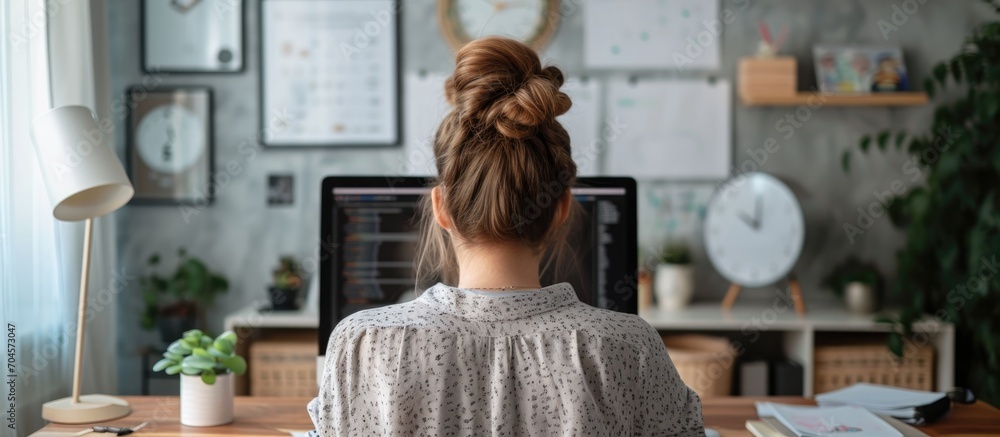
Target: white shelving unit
252, 317
799, 333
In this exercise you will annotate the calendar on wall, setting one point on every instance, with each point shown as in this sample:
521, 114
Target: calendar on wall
329, 73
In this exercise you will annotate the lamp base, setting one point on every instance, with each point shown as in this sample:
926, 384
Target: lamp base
90, 409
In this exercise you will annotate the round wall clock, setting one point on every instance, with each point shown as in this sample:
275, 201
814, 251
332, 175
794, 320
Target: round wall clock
754, 232
170, 138
169, 145
530, 21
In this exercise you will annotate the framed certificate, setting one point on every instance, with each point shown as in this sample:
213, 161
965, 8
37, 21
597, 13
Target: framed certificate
169, 147
329, 73
192, 36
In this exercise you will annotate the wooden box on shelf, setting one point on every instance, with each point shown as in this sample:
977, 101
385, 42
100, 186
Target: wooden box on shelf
767, 76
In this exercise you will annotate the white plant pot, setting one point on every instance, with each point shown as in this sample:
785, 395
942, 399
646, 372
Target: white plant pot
206, 405
860, 298
674, 285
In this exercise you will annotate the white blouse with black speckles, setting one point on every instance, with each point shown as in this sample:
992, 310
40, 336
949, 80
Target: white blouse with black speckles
458, 362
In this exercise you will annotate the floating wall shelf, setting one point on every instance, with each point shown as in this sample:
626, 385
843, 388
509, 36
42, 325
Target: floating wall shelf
813, 99
773, 82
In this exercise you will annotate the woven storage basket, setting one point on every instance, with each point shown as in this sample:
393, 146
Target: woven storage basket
840, 365
704, 363
283, 367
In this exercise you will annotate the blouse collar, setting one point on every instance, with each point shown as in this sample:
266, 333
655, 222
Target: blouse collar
475, 306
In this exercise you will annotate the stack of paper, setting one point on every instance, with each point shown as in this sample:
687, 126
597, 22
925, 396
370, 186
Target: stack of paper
824, 421
909, 405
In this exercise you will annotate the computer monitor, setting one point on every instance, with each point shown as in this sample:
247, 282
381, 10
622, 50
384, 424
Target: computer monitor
369, 231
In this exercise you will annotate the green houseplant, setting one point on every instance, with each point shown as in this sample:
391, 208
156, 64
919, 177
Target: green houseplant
206, 366
287, 278
952, 221
174, 302
673, 282
858, 283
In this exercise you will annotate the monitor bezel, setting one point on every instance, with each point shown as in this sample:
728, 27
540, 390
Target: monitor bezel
328, 247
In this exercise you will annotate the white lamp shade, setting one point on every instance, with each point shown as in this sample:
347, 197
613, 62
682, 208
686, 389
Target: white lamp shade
83, 176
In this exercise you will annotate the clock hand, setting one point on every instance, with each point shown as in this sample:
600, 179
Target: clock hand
757, 212
746, 219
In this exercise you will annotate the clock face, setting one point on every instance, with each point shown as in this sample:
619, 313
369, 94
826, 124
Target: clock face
754, 231
171, 138
524, 20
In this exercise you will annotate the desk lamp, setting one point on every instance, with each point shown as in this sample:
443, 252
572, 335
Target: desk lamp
84, 180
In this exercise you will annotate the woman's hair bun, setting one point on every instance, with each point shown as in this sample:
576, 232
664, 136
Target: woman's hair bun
500, 83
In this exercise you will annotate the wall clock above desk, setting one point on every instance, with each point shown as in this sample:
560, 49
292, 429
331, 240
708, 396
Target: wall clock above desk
532, 22
754, 232
169, 145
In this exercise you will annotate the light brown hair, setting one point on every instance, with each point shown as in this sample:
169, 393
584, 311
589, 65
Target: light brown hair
503, 160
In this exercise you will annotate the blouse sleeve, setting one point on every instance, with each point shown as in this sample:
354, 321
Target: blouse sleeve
329, 410
669, 407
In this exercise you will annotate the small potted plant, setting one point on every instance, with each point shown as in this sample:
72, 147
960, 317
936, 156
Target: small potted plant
674, 280
206, 366
288, 279
858, 283
174, 303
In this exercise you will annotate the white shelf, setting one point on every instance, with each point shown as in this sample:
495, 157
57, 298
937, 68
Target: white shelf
252, 317
798, 334
711, 317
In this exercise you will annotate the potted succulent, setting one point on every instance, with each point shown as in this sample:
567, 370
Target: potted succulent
858, 283
174, 302
288, 279
206, 366
674, 279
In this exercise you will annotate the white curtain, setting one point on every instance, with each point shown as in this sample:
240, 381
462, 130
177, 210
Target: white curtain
52, 57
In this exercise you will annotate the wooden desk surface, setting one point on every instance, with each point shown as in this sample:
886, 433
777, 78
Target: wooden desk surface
261, 416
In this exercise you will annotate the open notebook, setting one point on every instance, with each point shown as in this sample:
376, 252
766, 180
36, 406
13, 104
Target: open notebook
779, 420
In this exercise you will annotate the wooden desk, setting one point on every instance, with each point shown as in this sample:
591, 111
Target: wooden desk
254, 416
268, 416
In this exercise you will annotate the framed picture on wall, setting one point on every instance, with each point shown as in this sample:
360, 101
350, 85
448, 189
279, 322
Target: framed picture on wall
329, 73
192, 36
860, 70
169, 147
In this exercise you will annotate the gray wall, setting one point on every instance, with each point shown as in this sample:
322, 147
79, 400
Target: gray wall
241, 237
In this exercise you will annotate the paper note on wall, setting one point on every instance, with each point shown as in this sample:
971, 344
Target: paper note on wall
674, 129
671, 211
425, 108
674, 34
582, 122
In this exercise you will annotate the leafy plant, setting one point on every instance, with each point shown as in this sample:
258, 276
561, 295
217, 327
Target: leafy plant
852, 270
676, 253
198, 354
952, 222
289, 274
190, 287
